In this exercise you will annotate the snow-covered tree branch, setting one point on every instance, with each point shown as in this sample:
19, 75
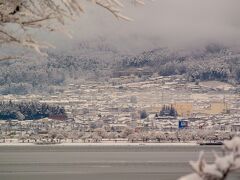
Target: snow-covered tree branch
19, 17
221, 167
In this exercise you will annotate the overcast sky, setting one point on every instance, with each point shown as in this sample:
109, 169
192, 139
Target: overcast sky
168, 23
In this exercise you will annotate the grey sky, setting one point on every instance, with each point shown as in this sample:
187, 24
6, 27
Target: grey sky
172, 23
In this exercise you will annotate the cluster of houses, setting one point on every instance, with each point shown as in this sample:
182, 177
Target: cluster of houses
132, 102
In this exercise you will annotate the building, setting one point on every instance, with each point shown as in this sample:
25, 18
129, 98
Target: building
183, 124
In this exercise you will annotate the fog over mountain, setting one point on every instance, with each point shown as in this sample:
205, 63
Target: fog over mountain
162, 23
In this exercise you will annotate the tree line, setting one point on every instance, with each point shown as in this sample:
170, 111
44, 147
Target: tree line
28, 110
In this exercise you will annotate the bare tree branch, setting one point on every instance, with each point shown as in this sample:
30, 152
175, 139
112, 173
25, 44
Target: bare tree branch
49, 15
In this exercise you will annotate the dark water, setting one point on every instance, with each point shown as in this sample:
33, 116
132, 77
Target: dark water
99, 163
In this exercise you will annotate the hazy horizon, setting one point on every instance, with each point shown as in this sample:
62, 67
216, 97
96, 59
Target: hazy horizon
161, 23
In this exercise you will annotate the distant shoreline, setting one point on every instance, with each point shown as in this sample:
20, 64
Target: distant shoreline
101, 144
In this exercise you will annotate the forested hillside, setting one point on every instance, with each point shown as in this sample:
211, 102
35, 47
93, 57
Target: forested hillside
210, 63
213, 62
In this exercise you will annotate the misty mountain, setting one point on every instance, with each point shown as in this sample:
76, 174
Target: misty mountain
99, 62
213, 62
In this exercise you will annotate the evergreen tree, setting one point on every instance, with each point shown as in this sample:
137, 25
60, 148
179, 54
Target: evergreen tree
28, 110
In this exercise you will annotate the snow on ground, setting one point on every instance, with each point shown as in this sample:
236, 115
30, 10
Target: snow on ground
103, 144
216, 84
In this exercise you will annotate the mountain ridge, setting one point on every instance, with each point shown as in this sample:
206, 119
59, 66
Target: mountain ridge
99, 62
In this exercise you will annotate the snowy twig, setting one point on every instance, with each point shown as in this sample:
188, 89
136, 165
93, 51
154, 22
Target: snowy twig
45, 14
222, 166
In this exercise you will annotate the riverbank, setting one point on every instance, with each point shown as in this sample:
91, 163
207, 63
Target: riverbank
103, 144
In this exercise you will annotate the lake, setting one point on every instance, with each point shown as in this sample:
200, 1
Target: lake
99, 162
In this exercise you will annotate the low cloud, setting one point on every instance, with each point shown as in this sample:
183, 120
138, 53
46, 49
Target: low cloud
168, 23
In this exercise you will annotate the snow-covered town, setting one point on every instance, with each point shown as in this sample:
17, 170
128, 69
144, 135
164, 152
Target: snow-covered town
129, 109
119, 90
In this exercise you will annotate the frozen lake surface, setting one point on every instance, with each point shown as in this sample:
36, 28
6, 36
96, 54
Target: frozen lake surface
99, 162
